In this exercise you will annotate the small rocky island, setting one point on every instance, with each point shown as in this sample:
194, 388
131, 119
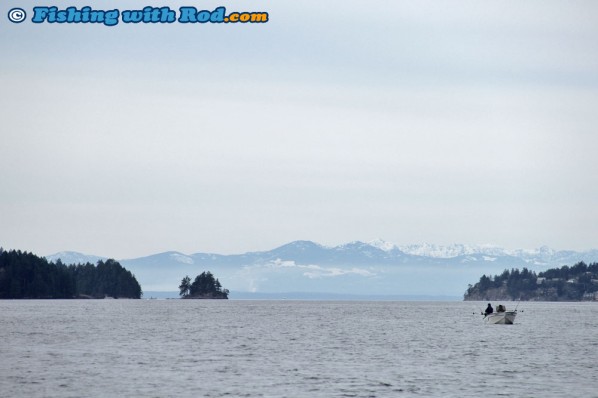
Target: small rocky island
205, 286
576, 283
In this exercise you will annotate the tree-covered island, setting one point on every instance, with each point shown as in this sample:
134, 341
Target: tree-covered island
26, 276
576, 283
205, 286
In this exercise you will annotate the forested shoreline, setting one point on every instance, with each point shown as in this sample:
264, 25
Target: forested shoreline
24, 275
576, 283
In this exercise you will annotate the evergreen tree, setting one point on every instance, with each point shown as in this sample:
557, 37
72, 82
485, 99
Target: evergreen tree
579, 282
204, 286
185, 286
24, 275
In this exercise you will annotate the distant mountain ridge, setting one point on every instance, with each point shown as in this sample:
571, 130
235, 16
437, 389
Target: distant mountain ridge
75, 258
375, 267
355, 252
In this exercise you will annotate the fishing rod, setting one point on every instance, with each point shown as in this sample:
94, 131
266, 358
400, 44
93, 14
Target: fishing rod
518, 301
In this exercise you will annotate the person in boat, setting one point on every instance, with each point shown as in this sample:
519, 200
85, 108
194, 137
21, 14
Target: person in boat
500, 308
489, 310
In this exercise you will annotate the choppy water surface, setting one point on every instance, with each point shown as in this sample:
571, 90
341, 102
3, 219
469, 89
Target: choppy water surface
193, 348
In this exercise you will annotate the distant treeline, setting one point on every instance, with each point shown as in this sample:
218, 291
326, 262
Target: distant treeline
26, 276
576, 283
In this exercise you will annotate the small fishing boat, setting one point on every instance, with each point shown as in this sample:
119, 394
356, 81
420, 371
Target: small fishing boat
501, 318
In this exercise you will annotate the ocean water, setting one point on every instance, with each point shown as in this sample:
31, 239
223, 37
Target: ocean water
195, 348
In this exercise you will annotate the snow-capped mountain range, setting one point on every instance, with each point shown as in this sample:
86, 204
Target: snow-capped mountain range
539, 256
373, 268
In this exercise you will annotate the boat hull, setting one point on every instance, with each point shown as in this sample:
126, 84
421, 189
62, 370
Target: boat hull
501, 318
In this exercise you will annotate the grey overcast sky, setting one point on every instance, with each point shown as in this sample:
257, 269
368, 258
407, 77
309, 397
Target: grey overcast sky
412, 121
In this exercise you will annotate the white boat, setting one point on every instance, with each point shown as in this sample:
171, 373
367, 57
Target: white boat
501, 318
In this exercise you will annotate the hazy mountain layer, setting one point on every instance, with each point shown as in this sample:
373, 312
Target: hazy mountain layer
374, 268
